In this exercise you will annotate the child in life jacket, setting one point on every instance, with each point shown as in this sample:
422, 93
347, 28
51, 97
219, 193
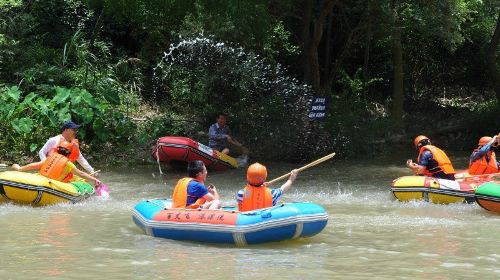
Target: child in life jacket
256, 195
57, 167
191, 192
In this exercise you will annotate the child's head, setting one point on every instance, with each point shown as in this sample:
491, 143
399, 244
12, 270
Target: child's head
256, 174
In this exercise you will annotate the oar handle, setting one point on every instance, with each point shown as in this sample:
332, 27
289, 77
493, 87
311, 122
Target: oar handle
311, 164
95, 172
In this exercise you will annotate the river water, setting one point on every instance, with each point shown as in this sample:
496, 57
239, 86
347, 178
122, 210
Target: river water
369, 235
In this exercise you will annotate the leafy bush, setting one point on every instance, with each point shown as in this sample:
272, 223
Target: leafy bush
28, 121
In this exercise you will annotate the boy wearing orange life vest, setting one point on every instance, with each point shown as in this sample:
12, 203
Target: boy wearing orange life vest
432, 161
191, 192
57, 166
68, 134
483, 159
256, 195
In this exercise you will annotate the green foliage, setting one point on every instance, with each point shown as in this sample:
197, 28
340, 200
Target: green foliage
96, 61
279, 43
28, 121
355, 120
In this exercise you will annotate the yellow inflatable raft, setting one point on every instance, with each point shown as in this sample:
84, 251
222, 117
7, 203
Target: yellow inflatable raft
434, 190
37, 190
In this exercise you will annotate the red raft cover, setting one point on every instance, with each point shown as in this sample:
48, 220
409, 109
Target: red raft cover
173, 149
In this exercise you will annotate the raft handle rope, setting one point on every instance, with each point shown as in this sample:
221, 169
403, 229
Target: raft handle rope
158, 157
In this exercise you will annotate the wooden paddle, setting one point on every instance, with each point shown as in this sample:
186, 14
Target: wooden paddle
316, 162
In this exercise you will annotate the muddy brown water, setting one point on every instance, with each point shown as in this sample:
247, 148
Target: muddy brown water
369, 235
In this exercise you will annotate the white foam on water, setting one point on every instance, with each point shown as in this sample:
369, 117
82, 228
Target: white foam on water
121, 250
395, 220
483, 258
425, 234
10, 208
116, 250
428, 255
453, 265
374, 250
141, 263
99, 249
96, 204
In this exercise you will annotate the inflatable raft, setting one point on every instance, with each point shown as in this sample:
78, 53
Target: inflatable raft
37, 190
173, 149
435, 190
488, 196
278, 223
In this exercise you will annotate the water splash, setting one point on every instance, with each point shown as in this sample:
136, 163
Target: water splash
269, 106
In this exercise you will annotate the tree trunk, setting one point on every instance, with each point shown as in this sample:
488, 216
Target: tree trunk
491, 63
328, 48
312, 32
314, 68
366, 61
397, 64
306, 37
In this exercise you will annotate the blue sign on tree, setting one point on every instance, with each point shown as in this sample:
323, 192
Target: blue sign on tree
319, 106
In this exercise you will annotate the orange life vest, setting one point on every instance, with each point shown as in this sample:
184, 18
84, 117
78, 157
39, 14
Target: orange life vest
486, 164
256, 197
179, 197
56, 167
74, 150
444, 163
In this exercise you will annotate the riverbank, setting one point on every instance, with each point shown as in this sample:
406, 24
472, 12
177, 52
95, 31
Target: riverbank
450, 127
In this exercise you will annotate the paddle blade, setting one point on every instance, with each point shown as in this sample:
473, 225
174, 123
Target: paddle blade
102, 190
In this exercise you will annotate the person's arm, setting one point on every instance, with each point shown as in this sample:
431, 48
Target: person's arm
484, 149
289, 182
239, 198
45, 150
234, 142
420, 167
85, 164
416, 168
85, 175
212, 194
31, 166
478, 154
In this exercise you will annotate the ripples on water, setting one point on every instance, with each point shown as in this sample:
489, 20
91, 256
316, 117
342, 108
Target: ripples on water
369, 235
